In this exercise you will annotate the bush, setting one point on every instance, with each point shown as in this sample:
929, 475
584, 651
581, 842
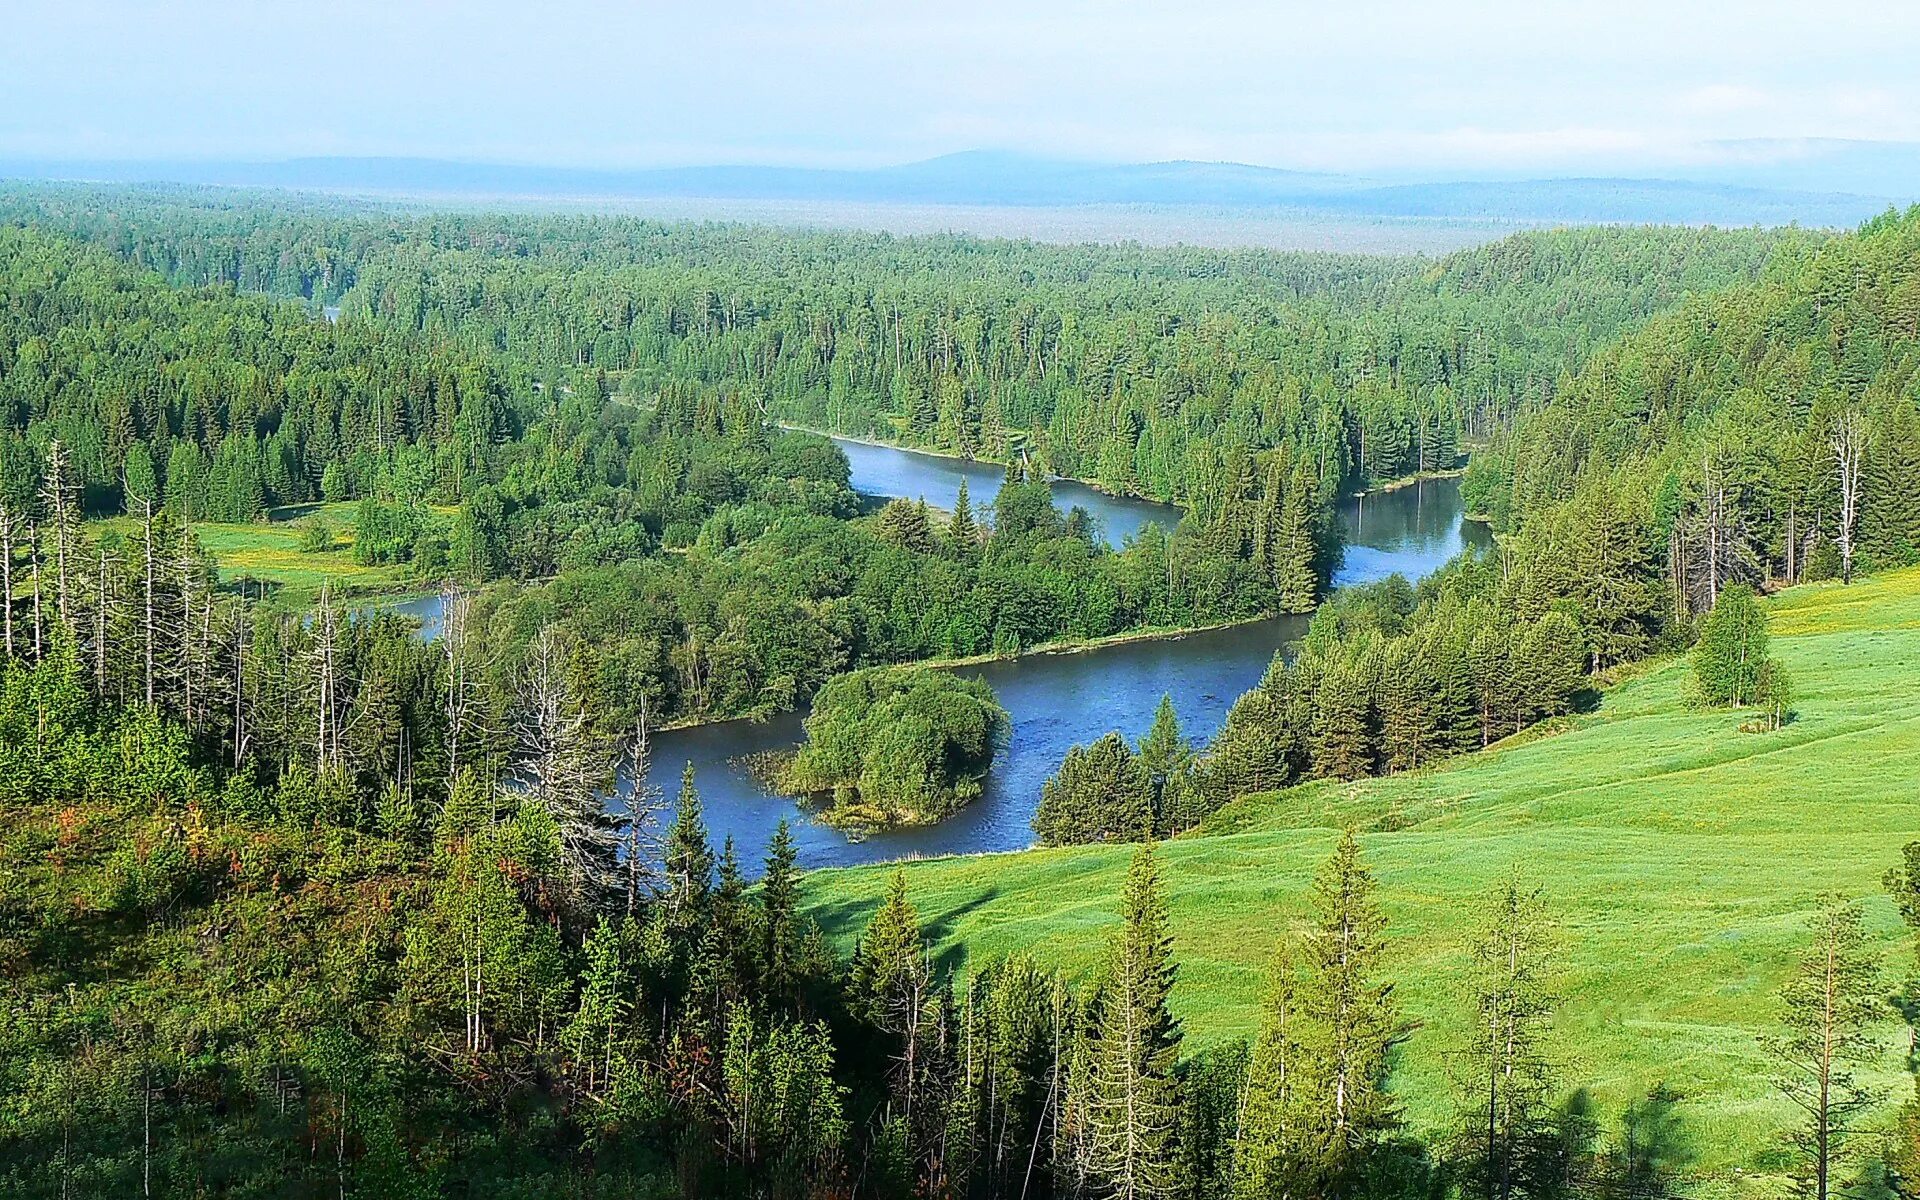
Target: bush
316, 537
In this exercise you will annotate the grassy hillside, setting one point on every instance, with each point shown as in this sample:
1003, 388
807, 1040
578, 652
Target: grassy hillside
1681, 857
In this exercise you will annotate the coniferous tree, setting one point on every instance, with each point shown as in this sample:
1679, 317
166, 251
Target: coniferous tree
892, 983
1132, 1105
688, 866
780, 948
1832, 1005
1348, 1025
1504, 1075
1272, 1157
963, 533
1101, 793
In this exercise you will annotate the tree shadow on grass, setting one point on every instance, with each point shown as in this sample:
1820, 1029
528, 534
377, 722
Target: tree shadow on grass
844, 919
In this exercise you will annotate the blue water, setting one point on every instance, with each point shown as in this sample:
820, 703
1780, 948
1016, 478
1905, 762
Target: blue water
1055, 700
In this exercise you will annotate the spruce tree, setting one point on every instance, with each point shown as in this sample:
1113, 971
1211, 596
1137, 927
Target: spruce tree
1342, 733
1101, 793
1833, 1007
1271, 1151
688, 863
963, 533
892, 983
1165, 751
1348, 1024
780, 948
1133, 1101
1502, 1069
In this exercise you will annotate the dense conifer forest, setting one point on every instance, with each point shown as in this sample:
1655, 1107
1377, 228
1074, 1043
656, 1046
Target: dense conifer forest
295, 902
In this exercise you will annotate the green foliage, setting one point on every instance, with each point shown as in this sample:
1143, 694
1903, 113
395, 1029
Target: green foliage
1101, 793
316, 537
1131, 1101
1831, 1005
898, 746
1730, 658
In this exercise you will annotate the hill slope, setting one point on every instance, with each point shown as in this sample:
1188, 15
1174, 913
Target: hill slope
1680, 856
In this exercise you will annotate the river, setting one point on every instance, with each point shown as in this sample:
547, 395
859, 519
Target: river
1054, 700
884, 472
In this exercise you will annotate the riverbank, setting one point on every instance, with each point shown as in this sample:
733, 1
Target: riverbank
1413, 480
949, 456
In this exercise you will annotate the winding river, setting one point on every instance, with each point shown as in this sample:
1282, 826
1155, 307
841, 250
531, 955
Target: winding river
1055, 700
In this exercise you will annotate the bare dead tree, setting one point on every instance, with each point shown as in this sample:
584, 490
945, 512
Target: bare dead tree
1848, 440
565, 767
57, 497
327, 684
646, 801
461, 702
8, 520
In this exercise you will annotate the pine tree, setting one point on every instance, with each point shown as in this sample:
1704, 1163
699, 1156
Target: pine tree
963, 533
688, 865
1348, 1025
1504, 1076
1133, 1101
1833, 1006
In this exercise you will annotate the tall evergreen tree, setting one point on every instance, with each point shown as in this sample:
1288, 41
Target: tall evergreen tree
780, 948
688, 864
1133, 1100
1348, 1025
1832, 1007
1503, 1072
963, 532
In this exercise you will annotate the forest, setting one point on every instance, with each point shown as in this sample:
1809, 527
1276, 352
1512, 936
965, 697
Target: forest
297, 902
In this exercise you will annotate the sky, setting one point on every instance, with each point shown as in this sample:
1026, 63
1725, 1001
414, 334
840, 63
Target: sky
1370, 86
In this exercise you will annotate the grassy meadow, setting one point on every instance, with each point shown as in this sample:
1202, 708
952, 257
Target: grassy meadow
1681, 859
270, 553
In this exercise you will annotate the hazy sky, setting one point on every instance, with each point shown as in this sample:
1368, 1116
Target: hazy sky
1340, 84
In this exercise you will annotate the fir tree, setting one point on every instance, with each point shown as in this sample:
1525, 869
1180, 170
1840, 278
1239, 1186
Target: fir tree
1271, 1149
1504, 1076
1348, 1025
1833, 1006
892, 983
1165, 751
780, 948
963, 534
1101, 793
1133, 1101
688, 864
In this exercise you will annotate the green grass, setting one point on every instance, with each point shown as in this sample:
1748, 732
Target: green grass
271, 553
1681, 857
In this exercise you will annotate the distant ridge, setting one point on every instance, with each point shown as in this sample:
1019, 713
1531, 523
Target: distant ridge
994, 178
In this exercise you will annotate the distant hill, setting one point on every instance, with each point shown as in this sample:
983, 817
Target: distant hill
990, 178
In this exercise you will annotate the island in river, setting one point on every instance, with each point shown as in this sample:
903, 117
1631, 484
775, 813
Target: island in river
1053, 700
